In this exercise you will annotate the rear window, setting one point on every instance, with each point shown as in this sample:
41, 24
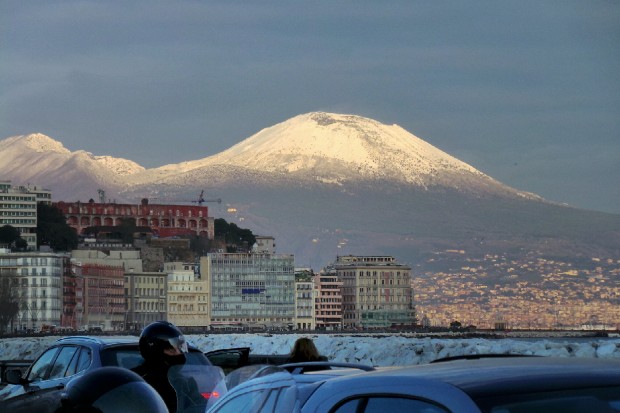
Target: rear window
591, 400
129, 357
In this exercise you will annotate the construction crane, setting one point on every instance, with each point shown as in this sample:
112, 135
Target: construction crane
202, 200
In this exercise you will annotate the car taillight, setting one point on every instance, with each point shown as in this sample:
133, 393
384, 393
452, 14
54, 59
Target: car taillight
210, 395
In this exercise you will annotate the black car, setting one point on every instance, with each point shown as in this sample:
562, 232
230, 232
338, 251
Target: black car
40, 388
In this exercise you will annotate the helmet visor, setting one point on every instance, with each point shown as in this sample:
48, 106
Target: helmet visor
179, 343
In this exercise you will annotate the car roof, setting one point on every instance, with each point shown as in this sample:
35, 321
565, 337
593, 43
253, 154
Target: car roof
106, 341
480, 377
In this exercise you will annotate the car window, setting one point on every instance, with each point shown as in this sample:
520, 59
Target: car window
602, 399
71, 370
62, 362
39, 369
86, 356
122, 357
381, 404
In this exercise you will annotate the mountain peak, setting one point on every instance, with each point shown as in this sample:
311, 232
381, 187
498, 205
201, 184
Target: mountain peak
334, 147
43, 143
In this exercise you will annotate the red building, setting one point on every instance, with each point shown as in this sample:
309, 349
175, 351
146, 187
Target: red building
99, 295
164, 220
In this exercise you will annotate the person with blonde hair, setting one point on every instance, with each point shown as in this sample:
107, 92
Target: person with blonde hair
305, 350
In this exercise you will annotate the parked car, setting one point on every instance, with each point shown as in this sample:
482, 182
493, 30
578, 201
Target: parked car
469, 385
40, 388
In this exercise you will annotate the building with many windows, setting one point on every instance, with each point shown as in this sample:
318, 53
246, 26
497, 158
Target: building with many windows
146, 298
251, 290
18, 208
35, 280
376, 292
99, 296
328, 301
304, 305
188, 299
165, 220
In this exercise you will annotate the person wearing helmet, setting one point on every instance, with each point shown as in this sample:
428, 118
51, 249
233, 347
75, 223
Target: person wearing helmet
110, 390
162, 345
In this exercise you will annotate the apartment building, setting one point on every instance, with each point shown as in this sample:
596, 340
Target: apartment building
376, 291
18, 208
188, 299
36, 283
146, 298
251, 290
304, 305
328, 301
99, 296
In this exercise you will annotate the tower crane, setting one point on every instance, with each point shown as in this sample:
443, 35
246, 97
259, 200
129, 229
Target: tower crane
202, 200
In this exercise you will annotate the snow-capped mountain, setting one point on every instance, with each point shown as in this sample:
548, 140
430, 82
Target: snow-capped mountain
334, 149
327, 184
37, 158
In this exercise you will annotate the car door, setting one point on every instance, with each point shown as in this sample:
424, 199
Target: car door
24, 397
46, 379
63, 370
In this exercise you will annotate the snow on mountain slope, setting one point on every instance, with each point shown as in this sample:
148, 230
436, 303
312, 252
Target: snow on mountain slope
333, 149
315, 140
44, 149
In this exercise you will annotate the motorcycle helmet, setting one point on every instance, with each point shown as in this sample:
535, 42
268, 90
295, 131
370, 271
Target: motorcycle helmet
159, 336
110, 390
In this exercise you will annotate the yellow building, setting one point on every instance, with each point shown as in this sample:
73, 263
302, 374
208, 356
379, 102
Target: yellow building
188, 299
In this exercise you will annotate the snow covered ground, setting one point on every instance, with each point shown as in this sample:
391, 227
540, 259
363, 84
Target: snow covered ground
377, 350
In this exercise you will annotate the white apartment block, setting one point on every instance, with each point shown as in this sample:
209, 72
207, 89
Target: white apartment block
18, 208
304, 305
265, 245
376, 291
251, 290
36, 282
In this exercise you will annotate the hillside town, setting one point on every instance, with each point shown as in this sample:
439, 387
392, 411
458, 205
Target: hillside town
114, 281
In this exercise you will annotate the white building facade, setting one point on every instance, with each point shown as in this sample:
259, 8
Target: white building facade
18, 208
36, 282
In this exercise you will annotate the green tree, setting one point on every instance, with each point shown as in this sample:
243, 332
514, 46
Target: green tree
53, 230
233, 235
9, 235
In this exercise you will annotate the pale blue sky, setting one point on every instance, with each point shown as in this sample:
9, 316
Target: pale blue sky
526, 91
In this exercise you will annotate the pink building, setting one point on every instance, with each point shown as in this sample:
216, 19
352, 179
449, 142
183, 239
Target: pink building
328, 302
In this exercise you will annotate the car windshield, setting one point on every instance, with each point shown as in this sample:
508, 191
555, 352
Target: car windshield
605, 399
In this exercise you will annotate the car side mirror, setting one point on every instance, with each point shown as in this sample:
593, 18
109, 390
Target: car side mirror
14, 376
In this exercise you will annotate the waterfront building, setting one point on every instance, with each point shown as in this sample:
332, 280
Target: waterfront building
36, 283
100, 301
188, 297
328, 301
18, 208
251, 290
304, 305
376, 292
146, 298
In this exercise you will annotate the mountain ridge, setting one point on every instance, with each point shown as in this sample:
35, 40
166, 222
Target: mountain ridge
327, 184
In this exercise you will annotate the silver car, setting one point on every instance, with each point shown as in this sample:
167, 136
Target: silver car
479, 384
